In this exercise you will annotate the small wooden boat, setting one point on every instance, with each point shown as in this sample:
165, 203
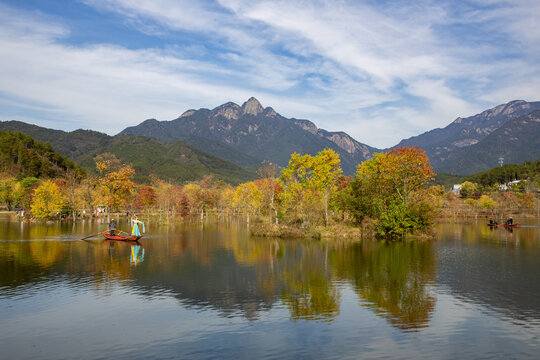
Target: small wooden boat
503, 225
120, 236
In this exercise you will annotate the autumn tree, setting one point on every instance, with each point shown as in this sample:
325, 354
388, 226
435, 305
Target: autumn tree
310, 181
47, 200
468, 190
180, 200
268, 186
391, 189
326, 170
202, 195
146, 197
226, 202
73, 181
485, 202
295, 182
7, 191
114, 181
248, 198
24, 191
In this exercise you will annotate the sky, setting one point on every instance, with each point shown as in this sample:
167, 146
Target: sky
379, 70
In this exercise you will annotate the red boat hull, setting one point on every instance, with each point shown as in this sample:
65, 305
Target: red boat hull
119, 237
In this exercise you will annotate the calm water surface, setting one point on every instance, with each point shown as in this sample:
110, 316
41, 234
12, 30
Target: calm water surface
211, 293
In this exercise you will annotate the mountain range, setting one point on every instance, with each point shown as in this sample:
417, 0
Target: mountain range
251, 129
507, 132
467, 145
230, 141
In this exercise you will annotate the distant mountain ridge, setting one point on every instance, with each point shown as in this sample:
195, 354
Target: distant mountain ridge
240, 137
516, 141
445, 145
252, 129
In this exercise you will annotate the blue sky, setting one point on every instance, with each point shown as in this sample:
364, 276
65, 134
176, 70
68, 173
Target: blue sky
379, 70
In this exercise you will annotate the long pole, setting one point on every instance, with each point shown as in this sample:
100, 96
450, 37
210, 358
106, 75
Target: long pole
88, 237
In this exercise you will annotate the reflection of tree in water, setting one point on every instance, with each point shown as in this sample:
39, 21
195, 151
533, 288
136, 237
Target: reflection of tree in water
236, 274
308, 289
393, 278
296, 270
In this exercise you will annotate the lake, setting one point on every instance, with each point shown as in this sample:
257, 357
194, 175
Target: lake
211, 292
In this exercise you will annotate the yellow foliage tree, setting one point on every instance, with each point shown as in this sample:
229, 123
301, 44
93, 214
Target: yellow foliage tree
310, 179
248, 198
326, 171
485, 202
295, 182
47, 200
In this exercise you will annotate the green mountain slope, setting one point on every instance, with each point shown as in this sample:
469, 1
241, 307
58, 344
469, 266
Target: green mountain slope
176, 161
221, 150
22, 156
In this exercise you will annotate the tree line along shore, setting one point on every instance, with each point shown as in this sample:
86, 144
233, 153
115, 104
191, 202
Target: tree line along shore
391, 196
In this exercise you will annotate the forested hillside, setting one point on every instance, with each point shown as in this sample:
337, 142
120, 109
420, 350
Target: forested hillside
175, 161
22, 156
507, 173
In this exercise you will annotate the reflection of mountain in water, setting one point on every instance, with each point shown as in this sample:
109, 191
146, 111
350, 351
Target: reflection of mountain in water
505, 279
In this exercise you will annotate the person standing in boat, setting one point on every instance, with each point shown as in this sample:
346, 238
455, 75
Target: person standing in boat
112, 228
134, 226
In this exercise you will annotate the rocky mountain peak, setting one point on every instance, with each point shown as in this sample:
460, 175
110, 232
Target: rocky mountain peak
228, 110
252, 107
268, 111
307, 125
187, 113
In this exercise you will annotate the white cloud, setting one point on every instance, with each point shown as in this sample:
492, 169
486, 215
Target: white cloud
380, 73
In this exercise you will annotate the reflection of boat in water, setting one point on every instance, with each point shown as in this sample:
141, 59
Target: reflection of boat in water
120, 237
137, 252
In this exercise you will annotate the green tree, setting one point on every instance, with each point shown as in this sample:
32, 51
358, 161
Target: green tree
7, 192
468, 190
24, 191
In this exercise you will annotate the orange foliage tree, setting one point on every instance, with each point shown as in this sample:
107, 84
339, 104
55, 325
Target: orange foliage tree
391, 188
114, 181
